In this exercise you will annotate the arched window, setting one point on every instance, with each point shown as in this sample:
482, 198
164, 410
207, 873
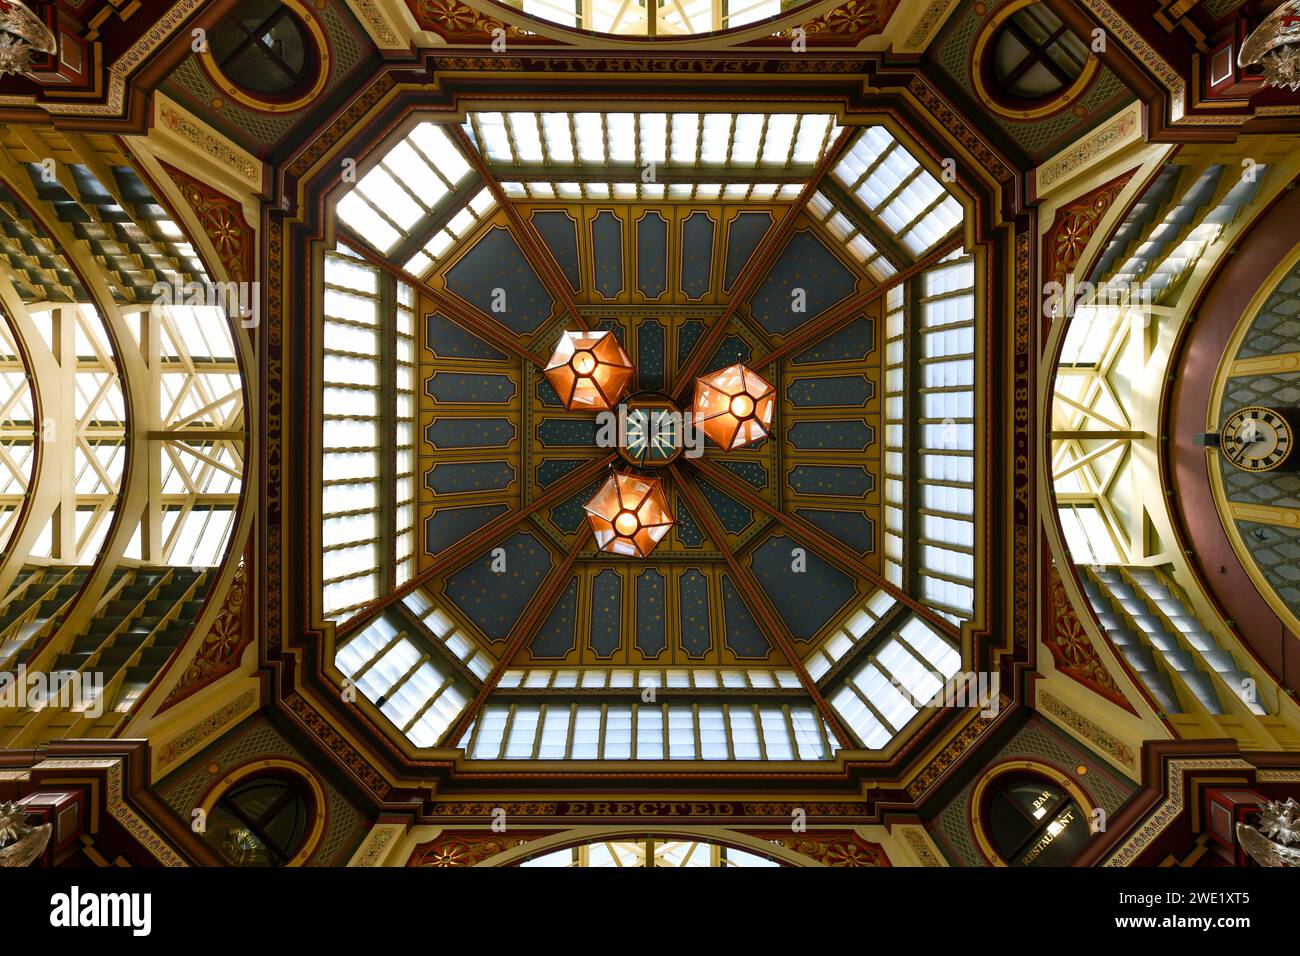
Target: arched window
262, 820
1031, 821
263, 47
1035, 55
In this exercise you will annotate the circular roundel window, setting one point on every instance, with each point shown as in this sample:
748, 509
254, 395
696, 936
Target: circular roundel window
266, 814
1028, 64
1030, 815
267, 55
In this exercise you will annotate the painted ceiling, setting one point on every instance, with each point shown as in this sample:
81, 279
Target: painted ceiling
781, 241
493, 434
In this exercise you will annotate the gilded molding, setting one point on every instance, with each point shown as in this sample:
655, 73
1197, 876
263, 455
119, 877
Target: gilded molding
1112, 134
144, 834
929, 24
955, 748
212, 145
1103, 740
378, 24
914, 837
376, 844
206, 728
1174, 804
1072, 650
222, 646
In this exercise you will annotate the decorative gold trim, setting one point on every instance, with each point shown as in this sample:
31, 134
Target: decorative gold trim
377, 23
1100, 738
1018, 766
1277, 776
376, 845
1264, 514
1171, 807
1058, 103
919, 843
170, 117
1170, 78
254, 767
933, 18
1265, 364
210, 725
132, 822
1110, 138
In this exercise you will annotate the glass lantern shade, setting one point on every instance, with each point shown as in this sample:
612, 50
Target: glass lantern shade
589, 370
629, 515
734, 406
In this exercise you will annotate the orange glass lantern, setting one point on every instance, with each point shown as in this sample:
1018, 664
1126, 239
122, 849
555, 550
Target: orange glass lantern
629, 515
589, 370
734, 406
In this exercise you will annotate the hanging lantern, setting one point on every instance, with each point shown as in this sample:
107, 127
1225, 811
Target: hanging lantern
629, 515
589, 370
734, 406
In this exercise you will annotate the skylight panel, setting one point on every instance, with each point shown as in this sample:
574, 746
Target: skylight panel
650, 734
557, 132
814, 134
686, 131
715, 140
527, 137
461, 223
747, 137
861, 249
591, 138
654, 138
681, 733
493, 140
779, 139
358, 214
565, 16
618, 733
441, 152
554, 735
620, 132
839, 226
808, 734
407, 165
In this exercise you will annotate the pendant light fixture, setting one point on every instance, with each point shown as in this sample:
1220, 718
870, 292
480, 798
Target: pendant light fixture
589, 371
734, 406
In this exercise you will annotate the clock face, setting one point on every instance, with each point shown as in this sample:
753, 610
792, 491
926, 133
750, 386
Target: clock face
1256, 439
